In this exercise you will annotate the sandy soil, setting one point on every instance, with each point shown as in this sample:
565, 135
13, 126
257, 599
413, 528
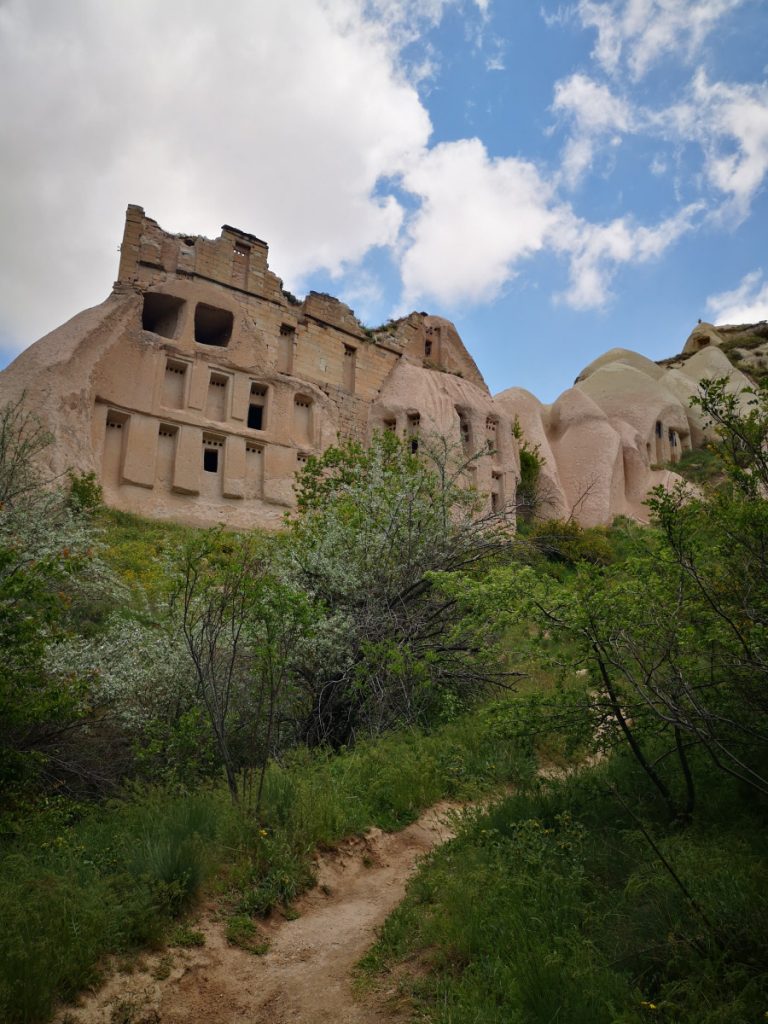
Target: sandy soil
306, 976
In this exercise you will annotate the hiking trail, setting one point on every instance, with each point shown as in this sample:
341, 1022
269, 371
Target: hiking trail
305, 977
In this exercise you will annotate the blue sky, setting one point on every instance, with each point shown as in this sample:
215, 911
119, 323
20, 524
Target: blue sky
557, 178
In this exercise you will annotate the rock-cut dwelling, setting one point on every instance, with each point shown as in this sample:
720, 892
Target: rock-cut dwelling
199, 387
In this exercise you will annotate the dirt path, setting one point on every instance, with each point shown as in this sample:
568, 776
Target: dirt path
306, 976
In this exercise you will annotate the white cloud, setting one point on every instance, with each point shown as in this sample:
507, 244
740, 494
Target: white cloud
598, 250
576, 161
594, 111
730, 123
658, 166
478, 218
640, 32
279, 118
592, 106
746, 304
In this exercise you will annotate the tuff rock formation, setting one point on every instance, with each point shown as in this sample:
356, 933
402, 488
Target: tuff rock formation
199, 387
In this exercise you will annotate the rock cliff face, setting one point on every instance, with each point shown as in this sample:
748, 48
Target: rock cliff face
199, 387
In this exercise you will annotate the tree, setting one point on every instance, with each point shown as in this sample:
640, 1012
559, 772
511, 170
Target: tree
373, 526
241, 624
49, 566
674, 638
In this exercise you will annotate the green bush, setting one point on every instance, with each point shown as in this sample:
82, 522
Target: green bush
555, 906
82, 883
108, 883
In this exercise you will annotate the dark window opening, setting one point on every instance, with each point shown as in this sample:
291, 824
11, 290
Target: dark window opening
495, 502
427, 348
658, 428
210, 460
414, 421
287, 329
390, 426
255, 417
212, 326
241, 250
673, 438
160, 314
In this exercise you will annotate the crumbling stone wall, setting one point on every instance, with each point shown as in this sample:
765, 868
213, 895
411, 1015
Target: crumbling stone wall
200, 387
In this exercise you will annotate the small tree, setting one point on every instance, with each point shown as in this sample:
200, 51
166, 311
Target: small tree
49, 567
373, 525
241, 624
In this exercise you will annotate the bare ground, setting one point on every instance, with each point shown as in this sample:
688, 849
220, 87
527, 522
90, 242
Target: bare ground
306, 975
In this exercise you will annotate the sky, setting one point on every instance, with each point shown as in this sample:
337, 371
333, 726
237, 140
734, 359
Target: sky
556, 178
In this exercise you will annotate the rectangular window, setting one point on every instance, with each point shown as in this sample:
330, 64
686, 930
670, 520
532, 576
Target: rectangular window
241, 258
414, 422
174, 384
211, 460
212, 326
255, 417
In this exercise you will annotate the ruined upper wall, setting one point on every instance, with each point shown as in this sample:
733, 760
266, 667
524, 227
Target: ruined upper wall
199, 387
235, 259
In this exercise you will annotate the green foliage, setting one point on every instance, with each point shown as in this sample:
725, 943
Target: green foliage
567, 542
106, 884
51, 584
72, 890
373, 524
186, 937
244, 932
85, 493
531, 462
553, 906
700, 466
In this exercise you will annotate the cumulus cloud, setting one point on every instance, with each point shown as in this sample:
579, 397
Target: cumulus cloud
637, 33
478, 218
591, 105
593, 111
746, 304
735, 119
730, 122
598, 250
279, 118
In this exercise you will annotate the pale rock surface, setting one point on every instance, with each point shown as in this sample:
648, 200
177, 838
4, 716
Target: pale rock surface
199, 388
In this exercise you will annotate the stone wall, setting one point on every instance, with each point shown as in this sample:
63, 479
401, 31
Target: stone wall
199, 388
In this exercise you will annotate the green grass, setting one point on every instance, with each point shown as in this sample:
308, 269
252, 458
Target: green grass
553, 907
699, 466
118, 878
107, 884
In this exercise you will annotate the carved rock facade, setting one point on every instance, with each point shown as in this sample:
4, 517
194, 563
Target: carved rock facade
199, 387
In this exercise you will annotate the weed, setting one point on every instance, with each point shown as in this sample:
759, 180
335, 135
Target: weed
162, 969
553, 906
186, 938
243, 932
